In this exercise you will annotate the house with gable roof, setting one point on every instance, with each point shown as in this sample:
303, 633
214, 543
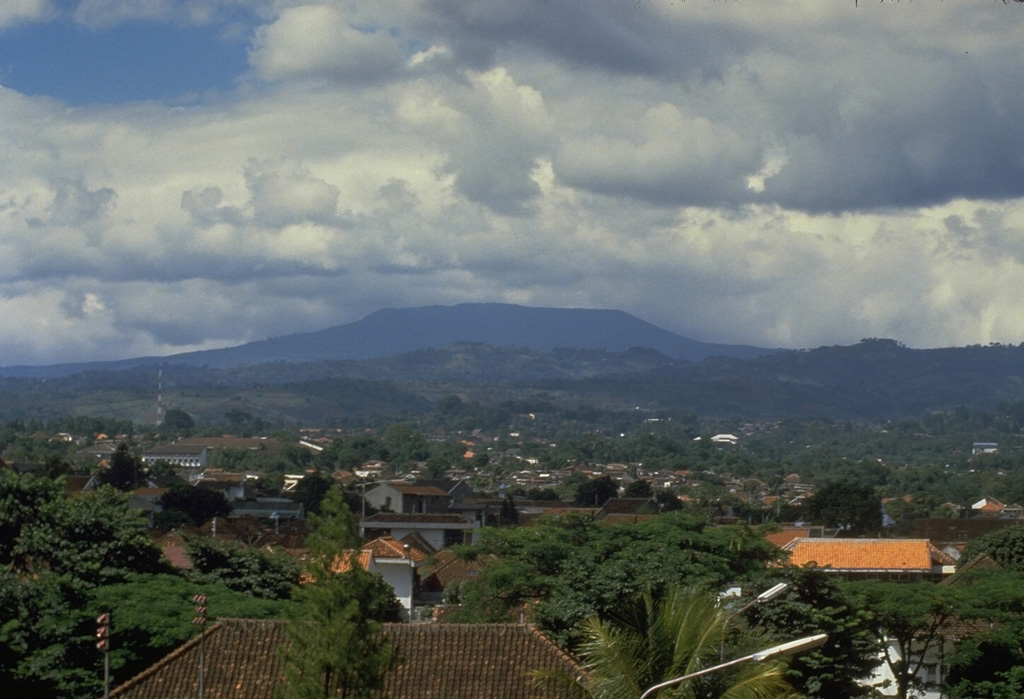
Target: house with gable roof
409, 498
397, 562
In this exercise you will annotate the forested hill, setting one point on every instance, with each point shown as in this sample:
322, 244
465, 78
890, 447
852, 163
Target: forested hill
393, 332
872, 380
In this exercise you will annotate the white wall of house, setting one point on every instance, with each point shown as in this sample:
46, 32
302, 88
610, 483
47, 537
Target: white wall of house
398, 573
932, 673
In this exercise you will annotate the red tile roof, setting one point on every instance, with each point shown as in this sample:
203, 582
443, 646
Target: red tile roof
904, 555
445, 568
446, 661
388, 547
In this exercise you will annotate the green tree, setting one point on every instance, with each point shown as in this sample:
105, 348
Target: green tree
177, 421
152, 615
509, 515
569, 568
1005, 546
596, 491
857, 509
661, 638
816, 604
987, 664
197, 504
124, 469
46, 643
337, 647
907, 621
638, 489
22, 499
312, 489
242, 568
95, 537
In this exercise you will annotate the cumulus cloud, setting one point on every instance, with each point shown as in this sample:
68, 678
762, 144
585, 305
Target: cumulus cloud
107, 13
315, 41
16, 11
780, 175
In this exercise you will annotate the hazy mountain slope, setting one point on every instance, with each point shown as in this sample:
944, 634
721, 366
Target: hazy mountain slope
396, 331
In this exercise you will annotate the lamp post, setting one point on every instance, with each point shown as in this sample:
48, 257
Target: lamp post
766, 596
790, 648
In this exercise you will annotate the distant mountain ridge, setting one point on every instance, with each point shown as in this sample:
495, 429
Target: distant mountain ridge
396, 331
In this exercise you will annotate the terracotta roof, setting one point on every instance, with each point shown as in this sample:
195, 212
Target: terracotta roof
867, 554
388, 547
449, 661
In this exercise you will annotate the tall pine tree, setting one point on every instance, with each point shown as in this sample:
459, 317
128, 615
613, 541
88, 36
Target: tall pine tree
337, 644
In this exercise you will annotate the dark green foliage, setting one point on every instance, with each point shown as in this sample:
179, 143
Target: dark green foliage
856, 509
95, 537
987, 663
46, 643
124, 470
908, 617
667, 501
197, 504
595, 492
508, 515
1005, 546
815, 604
57, 552
243, 423
638, 489
177, 421
577, 568
312, 489
22, 498
243, 568
152, 615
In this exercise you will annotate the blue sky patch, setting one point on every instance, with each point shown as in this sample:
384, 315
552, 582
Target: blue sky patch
130, 62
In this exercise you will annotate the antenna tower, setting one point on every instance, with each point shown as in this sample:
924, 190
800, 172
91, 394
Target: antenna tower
160, 396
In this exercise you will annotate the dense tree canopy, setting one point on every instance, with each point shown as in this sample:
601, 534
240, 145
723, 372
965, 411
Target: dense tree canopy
573, 567
1005, 546
196, 505
855, 509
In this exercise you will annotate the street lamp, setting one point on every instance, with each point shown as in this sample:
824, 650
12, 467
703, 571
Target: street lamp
790, 648
766, 596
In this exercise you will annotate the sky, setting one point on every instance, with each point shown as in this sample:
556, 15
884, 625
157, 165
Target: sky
189, 174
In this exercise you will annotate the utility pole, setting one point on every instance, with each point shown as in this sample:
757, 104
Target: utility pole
200, 620
103, 644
